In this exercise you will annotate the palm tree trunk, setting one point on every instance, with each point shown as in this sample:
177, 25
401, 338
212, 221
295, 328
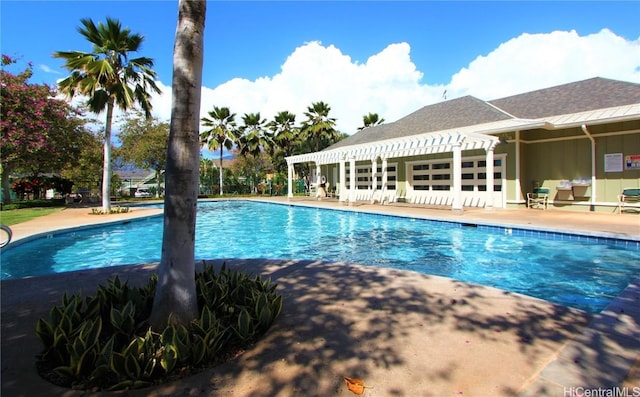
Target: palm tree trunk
175, 299
221, 178
106, 164
158, 184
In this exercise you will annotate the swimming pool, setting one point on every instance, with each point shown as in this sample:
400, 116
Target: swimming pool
581, 274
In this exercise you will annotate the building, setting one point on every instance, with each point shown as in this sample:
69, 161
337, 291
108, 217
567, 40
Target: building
579, 140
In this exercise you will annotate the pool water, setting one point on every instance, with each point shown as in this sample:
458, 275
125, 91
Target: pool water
585, 275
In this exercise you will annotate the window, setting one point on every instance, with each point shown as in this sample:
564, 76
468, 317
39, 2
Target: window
437, 175
365, 180
441, 166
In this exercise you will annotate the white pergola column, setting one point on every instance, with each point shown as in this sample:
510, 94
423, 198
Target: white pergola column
290, 181
352, 180
374, 178
318, 177
489, 179
383, 191
343, 181
517, 185
456, 206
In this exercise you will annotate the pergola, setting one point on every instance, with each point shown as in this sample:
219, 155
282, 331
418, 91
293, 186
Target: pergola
453, 140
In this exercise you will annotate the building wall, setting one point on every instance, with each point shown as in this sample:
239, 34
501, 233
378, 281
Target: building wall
552, 158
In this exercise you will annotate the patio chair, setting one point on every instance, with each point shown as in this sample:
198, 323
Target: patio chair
629, 200
538, 199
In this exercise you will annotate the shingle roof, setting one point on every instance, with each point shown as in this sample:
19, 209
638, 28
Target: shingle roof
591, 94
585, 95
455, 113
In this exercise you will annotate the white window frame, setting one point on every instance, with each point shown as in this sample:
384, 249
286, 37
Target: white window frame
443, 195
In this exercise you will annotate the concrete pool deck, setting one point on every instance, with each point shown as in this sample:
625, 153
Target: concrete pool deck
402, 333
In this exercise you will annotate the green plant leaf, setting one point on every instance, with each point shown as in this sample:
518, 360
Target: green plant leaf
131, 366
116, 363
44, 330
168, 359
199, 349
244, 328
64, 372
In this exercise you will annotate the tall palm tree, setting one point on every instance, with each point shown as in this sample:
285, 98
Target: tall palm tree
254, 134
283, 135
283, 129
319, 129
222, 134
175, 299
370, 120
253, 141
109, 78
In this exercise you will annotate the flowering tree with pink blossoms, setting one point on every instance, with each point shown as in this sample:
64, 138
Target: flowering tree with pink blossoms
38, 133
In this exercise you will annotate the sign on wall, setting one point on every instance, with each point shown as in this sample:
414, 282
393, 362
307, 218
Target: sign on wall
632, 162
613, 162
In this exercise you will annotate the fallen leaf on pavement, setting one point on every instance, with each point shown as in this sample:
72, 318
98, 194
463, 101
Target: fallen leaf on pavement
355, 385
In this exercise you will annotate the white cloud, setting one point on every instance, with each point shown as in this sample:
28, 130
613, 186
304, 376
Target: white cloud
533, 61
389, 84
47, 69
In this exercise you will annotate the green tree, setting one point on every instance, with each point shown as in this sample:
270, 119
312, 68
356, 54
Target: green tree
208, 172
84, 173
38, 133
109, 78
370, 120
253, 134
253, 142
144, 144
175, 299
284, 135
221, 134
318, 130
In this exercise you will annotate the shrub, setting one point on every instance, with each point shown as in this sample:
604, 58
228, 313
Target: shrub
16, 205
115, 210
104, 342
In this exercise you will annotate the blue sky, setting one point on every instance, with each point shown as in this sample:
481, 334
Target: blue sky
386, 57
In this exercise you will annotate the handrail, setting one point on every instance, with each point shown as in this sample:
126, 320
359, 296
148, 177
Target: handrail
7, 230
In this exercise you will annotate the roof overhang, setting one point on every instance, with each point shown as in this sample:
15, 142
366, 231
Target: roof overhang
598, 116
468, 138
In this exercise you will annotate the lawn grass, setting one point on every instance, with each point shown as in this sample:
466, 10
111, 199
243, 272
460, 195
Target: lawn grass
12, 217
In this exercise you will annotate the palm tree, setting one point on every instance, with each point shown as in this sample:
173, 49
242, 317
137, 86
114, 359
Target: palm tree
370, 120
253, 133
283, 129
319, 129
175, 299
283, 135
109, 78
253, 141
222, 134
